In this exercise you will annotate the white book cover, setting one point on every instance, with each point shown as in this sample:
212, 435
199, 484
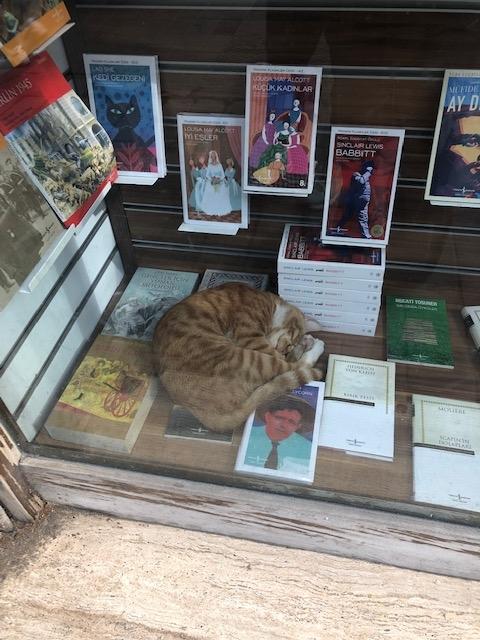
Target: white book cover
471, 319
124, 94
214, 278
314, 282
453, 177
302, 251
360, 188
280, 438
339, 295
446, 452
281, 114
359, 407
210, 151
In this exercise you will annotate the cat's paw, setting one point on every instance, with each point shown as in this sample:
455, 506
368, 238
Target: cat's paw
313, 354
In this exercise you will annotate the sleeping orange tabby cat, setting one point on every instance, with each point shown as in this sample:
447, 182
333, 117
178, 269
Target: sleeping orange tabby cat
221, 352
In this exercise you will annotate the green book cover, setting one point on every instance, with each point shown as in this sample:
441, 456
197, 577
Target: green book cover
418, 332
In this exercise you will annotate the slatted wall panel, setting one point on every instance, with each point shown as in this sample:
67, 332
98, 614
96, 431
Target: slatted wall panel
381, 67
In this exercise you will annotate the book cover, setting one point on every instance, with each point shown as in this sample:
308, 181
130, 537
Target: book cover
471, 319
65, 151
446, 452
302, 251
418, 331
210, 149
108, 398
280, 438
360, 188
148, 296
26, 26
28, 227
124, 96
281, 129
454, 170
213, 278
359, 406
183, 424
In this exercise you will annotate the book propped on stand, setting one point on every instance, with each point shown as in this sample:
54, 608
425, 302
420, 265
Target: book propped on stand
124, 95
280, 438
108, 398
359, 407
28, 27
64, 150
418, 332
446, 452
148, 296
213, 278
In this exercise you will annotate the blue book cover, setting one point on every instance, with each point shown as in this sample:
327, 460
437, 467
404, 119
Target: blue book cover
148, 296
124, 95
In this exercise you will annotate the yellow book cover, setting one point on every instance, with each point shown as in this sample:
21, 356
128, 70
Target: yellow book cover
108, 398
24, 27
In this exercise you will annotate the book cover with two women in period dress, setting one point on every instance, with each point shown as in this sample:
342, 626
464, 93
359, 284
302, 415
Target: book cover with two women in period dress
281, 129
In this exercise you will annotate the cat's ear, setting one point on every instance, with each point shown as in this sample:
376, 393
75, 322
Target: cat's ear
311, 324
109, 102
133, 101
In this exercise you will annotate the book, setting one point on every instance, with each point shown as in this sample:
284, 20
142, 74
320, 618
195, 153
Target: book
27, 26
345, 327
454, 170
148, 296
446, 452
108, 398
124, 95
360, 187
64, 150
302, 251
418, 331
279, 440
339, 295
344, 286
281, 129
471, 319
28, 227
359, 407
213, 278
183, 424
320, 303
339, 316
210, 150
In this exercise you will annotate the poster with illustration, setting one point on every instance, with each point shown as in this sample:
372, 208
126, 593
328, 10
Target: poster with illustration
454, 171
210, 150
281, 128
360, 187
124, 94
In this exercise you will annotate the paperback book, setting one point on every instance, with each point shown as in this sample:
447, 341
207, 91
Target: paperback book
446, 452
108, 398
280, 438
337, 296
210, 150
124, 94
454, 170
183, 424
148, 296
302, 251
27, 26
281, 128
28, 226
321, 303
418, 331
344, 286
471, 319
360, 188
359, 407
65, 151
213, 278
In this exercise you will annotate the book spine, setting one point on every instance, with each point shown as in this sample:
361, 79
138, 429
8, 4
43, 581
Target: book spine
327, 305
301, 289
304, 267
341, 317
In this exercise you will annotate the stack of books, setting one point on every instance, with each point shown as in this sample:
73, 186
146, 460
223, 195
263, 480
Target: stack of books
339, 286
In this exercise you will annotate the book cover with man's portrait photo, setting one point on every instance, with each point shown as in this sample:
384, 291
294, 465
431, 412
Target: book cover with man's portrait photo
360, 189
280, 438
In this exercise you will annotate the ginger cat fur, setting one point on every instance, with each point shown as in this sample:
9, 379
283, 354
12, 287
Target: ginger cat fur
222, 352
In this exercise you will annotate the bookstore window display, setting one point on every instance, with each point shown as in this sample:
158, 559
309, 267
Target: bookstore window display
396, 421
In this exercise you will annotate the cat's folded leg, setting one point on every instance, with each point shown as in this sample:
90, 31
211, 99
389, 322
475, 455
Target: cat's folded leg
314, 352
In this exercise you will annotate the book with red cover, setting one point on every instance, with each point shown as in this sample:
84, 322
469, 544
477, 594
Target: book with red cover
65, 151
